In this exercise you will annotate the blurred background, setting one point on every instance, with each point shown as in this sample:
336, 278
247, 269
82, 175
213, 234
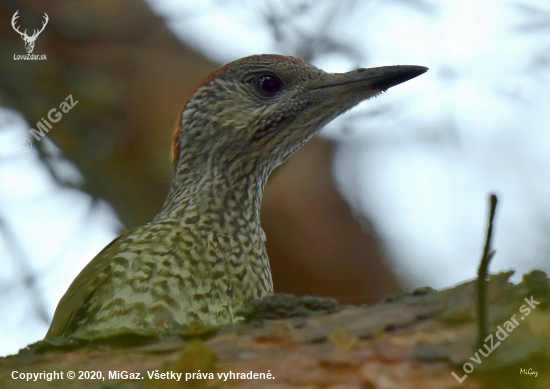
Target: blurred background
390, 196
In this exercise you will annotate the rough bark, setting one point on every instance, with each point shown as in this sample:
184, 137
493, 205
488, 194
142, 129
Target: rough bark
408, 341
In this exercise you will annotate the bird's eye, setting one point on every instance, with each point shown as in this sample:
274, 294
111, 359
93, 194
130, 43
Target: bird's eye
268, 84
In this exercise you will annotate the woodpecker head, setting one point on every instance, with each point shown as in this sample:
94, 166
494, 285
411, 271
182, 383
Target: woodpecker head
255, 112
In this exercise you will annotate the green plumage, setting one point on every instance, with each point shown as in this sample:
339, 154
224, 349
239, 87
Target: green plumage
203, 256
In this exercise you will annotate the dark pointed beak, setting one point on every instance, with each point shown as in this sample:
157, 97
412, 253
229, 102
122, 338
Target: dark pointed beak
334, 93
374, 79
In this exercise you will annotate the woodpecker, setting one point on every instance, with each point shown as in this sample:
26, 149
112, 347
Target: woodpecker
203, 256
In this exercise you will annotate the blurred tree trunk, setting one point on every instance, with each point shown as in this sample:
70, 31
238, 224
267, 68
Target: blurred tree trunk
315, 245
130, 76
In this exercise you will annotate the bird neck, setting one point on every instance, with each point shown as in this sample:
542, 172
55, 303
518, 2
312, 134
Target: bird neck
222, 195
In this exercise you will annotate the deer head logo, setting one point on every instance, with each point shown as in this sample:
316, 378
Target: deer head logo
29, 40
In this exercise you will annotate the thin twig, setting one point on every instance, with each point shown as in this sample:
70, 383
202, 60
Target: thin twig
483, 330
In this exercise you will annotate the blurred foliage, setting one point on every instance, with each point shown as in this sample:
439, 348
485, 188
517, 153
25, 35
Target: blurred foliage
130, 76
